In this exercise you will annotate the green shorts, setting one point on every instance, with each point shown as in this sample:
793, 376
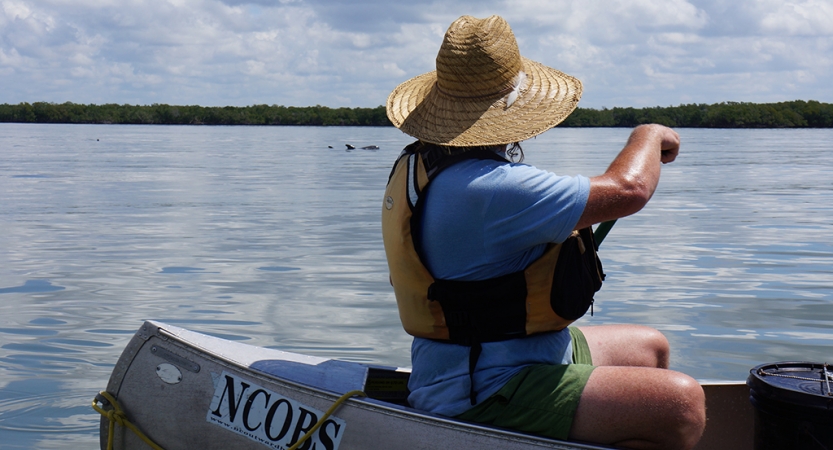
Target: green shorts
541, 399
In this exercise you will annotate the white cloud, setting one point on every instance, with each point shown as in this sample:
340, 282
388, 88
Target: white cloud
809, 18
609, 21
335, 53
676, 38
15, 10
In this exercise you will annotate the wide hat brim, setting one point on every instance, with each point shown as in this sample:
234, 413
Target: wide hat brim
546, 98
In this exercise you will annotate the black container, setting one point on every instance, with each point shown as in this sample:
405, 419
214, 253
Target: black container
793, 405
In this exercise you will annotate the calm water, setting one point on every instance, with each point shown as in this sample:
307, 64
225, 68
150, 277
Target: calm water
267, 236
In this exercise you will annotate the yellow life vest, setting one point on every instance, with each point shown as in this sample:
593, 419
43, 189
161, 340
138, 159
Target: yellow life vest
552, 292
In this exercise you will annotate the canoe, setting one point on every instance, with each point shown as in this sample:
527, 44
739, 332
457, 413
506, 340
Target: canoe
182, 389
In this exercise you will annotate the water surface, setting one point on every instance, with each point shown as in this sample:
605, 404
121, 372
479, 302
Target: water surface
268, 236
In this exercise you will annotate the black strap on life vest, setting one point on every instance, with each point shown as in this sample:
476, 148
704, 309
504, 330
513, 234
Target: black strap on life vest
482, 311
437, 158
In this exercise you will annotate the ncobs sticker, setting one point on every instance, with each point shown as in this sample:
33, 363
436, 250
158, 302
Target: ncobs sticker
270, 418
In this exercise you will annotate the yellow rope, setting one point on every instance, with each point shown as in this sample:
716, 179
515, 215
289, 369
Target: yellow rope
117, 416
325, 416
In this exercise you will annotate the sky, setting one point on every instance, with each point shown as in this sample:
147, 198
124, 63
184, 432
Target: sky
352, 53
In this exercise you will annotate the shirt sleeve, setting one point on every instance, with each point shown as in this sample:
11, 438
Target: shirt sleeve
532, 207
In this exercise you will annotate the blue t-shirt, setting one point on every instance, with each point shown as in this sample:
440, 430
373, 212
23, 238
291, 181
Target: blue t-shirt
483, 219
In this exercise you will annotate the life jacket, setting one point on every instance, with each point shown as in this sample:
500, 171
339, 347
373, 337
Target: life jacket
549, 294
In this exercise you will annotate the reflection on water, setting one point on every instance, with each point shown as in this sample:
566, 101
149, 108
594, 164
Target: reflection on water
265, 235
32, 286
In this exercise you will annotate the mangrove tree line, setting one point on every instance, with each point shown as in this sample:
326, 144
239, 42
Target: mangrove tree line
794, 114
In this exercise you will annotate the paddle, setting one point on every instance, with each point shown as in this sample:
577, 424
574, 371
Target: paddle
601, 231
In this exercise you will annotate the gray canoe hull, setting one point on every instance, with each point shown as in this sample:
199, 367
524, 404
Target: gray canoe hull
188, 390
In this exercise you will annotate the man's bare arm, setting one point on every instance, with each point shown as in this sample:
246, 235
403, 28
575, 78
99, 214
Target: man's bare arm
631, 179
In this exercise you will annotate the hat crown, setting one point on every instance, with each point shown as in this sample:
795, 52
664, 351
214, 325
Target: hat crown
478, 58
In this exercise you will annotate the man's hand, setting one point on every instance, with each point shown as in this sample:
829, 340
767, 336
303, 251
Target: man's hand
670, 144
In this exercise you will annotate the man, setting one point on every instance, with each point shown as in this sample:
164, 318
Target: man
478, 260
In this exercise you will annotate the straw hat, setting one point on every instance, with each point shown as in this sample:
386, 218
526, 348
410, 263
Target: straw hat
483, 91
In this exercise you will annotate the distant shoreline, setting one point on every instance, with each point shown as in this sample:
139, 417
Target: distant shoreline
793, 114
